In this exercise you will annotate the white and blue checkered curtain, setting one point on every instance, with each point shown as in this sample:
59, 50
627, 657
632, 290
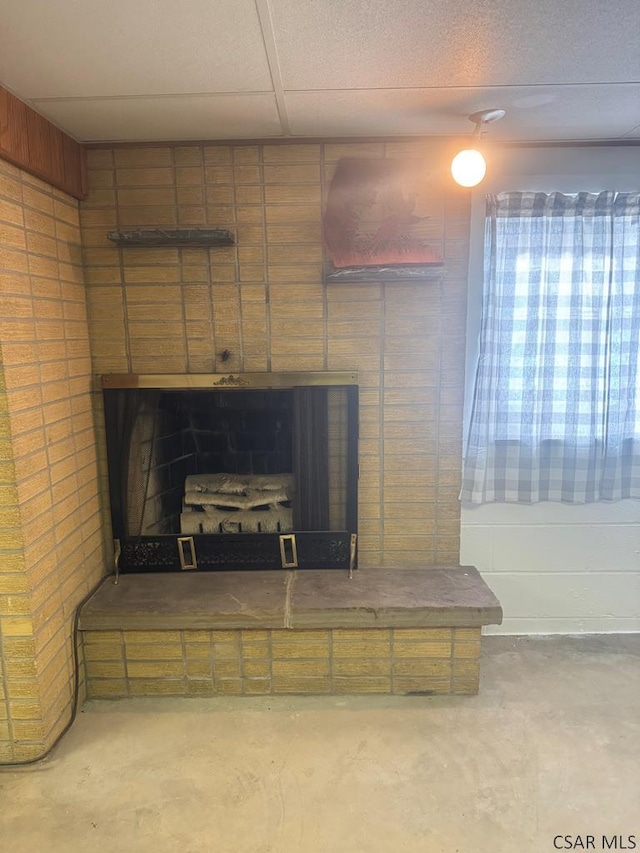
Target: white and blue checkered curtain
556, 410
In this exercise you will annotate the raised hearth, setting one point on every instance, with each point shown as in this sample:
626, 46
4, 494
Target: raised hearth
384, 631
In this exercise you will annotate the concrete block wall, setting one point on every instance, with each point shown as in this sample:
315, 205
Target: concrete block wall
558, 568
264, 300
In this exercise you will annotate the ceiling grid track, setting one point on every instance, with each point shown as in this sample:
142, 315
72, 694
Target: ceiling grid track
266, 24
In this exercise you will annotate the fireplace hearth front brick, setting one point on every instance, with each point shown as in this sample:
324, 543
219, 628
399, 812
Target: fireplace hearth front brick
315, 632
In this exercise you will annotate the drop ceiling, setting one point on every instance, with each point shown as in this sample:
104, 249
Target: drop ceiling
148, 70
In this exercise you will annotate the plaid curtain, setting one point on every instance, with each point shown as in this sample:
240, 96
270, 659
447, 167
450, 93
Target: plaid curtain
556, 409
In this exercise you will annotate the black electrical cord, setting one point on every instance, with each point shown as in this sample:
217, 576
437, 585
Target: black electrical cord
76, 691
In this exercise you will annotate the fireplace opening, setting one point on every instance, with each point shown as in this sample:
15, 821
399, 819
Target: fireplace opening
208, 461
229, 472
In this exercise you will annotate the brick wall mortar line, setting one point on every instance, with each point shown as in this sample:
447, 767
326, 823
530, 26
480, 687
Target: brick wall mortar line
125, 660
185, 677
452, 645
183, 317
325, 294
3, 669
121, 267
5, 682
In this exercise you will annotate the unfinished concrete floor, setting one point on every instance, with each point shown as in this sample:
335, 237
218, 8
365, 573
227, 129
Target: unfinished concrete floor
551, 746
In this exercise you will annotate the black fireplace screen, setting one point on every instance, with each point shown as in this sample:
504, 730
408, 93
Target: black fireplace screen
255, 477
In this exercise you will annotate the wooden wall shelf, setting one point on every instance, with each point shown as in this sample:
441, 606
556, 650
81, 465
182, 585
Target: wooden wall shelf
153, 237
386, 274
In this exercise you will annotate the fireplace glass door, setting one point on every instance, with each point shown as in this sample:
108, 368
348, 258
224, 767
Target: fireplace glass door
215, 473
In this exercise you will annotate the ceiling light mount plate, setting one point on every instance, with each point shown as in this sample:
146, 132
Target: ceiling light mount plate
482, 117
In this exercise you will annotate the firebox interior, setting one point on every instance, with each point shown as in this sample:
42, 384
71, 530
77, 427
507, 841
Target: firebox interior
233, 469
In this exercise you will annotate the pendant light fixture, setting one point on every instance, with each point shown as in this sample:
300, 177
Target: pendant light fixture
469, 167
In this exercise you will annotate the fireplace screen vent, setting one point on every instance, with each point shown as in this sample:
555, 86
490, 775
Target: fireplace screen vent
223, 465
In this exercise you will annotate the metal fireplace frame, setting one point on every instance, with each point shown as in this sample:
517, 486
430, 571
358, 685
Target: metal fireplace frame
298, 549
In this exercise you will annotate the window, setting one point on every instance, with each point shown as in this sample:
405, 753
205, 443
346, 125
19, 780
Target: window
556, 410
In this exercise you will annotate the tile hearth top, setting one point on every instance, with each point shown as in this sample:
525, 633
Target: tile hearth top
381, 598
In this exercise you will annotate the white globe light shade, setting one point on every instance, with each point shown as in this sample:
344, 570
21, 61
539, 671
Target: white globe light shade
468, 168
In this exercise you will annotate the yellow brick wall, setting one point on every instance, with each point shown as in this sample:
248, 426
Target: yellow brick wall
50, 537
176, 310
253, 662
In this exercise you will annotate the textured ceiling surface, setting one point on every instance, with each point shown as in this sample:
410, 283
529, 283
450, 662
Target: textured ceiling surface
222, 69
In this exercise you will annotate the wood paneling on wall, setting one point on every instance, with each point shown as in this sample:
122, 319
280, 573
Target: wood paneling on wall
30, 141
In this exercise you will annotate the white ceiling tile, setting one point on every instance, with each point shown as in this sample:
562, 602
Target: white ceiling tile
179, 117
377, 43
567, 70
84, 48
533, 112
375, 112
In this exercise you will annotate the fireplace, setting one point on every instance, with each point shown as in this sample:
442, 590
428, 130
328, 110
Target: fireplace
247, 471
